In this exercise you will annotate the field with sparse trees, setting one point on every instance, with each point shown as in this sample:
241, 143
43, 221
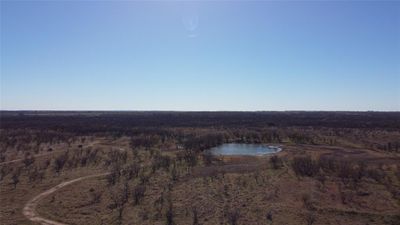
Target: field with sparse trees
154, 168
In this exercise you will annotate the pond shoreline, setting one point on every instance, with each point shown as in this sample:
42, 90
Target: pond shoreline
242, 149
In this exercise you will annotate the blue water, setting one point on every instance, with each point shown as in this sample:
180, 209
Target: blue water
244, 149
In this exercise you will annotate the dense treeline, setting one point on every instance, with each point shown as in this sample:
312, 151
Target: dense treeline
78, 122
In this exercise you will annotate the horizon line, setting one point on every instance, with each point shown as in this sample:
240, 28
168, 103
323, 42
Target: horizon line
150, 110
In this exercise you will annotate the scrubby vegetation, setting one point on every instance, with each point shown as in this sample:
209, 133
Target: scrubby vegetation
335, 167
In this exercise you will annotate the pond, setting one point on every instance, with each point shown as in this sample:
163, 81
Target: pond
244, 149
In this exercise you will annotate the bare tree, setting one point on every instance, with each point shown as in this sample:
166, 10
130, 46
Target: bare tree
233, 216
119, 199
190, 157
59, 162
15, 178
195, 217
169, 215
138, 193
269, 216
310, 218
132, 171
114, 175
174, 172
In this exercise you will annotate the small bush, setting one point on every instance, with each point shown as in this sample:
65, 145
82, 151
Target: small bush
207, 158
28, 160
305, 166
276, 162
328, 165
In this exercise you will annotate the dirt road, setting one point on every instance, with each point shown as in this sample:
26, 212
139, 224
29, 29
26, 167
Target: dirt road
29, 210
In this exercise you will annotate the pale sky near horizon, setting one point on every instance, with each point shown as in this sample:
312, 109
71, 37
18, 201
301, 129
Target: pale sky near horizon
213, 55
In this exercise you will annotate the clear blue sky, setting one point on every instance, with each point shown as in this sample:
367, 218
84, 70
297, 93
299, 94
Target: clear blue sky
105, 55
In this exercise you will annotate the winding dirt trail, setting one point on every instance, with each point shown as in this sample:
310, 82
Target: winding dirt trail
29, 210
